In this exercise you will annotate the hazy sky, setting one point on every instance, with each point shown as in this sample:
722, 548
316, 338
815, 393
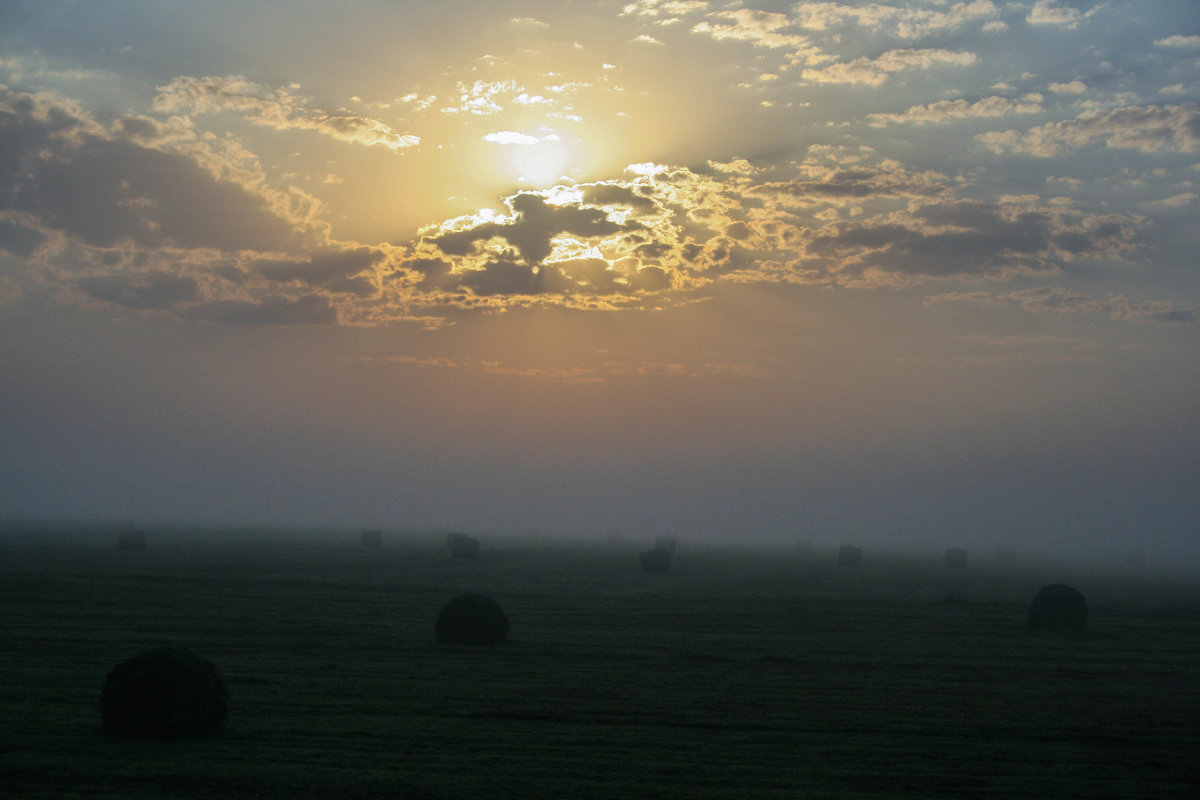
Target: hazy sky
912, 271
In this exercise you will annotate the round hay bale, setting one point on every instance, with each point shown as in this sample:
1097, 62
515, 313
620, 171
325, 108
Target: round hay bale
667, 544
472, 619
462, 545
849, 556
1058, 607
656, 560
955, 558
168, 693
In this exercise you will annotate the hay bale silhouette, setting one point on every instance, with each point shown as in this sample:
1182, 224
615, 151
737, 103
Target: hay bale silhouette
956, 558
667, 544
472, 619
1058, 607
372, 538
849, 556
168, 693
656, 560
462, 546
131, 539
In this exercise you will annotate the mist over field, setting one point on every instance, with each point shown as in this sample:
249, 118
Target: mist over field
320, 663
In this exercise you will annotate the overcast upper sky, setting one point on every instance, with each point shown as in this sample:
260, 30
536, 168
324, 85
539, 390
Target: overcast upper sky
884, 272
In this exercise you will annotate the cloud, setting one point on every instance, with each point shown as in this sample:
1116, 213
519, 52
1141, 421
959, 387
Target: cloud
908, 22
1060, 300
511, 137
1178, 41
275, 108
1047, 12
1150, 129
20, 236
309, 309
331, 268
535, 223
759, 28
1074, 87
152, 290
873, 72
947, 110
481, 98
965, 238
890, 179
60, 168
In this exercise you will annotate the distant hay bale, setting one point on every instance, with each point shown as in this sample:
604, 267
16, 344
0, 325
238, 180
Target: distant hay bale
372, 538
656, 560
472, 619
1058, 607
131, 539
849, 556
462, 546
956, 558
667, 544
168, 693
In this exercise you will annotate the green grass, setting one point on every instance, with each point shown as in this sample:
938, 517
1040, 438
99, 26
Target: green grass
747, 675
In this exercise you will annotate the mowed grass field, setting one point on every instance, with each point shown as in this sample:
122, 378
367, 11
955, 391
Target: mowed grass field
743, 674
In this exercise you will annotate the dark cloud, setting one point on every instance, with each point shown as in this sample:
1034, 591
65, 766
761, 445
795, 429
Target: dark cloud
536, 223
65, 172
593, 275
612, 194
322, 269
310, 309
966, 239
862, 183
156, 290
18, 239
435, 273
501, 277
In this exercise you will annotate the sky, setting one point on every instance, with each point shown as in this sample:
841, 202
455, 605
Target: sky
897, 273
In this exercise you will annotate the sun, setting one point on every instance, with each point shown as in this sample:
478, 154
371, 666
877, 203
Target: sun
538, 161
540, 164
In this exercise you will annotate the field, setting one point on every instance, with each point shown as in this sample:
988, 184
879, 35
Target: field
743, 674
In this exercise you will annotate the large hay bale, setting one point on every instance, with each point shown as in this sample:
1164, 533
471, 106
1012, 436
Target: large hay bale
131, 539
656, 561
1058, 607
168, 693
462, 546
472, 619
372, 538
849, 556
956, 558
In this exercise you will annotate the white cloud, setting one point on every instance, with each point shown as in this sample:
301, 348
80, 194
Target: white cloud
874, 72
1146, 128
946, 110
1178, 41
1046, 12
759, 28
1074, 87
909, 22
510, 137
275, 108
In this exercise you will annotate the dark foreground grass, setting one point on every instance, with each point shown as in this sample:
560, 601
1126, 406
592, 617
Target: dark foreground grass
740, 675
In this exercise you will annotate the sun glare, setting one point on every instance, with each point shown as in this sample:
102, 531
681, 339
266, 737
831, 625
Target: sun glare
540, 164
